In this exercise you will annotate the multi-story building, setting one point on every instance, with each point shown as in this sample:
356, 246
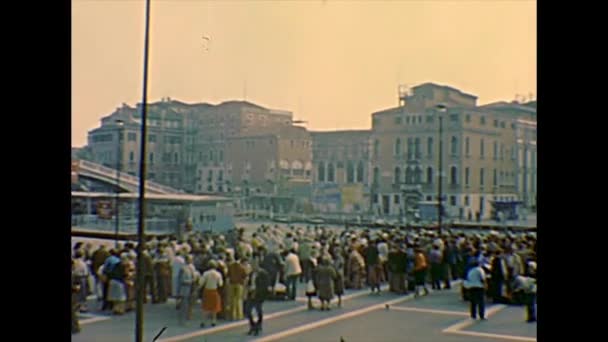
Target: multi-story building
477, 143
272, 168
184, 140
341, 164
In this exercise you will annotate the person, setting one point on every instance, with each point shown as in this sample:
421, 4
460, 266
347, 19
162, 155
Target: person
292, 272
81, 272
129, 280
75, 290
237, 274
325, 276
475, 284
311, 288
374, 267
272, 263
97, 260
149, 281
186, 278
355, 269
162, 270
498, 273
420, 269
339, 267
177, 263
436, 260
212, 303
117, 293
257, 292
524, 288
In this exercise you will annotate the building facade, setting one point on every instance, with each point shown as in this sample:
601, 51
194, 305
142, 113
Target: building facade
341, 164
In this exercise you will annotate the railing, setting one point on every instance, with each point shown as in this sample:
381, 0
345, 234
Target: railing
127, 225
125, 177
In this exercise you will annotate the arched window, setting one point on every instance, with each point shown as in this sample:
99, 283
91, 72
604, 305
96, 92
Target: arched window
467, 150
398, 147
453, 175
410, 148
409, 176
321, 172
418, 175
454, 145
417, 148
331, 173
350, 172
376, 175
429, 175
397, 175
360, 172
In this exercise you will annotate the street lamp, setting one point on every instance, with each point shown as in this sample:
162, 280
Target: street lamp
442, 109
119, 133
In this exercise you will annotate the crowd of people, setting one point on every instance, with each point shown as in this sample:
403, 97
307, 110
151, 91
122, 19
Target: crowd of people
233, 274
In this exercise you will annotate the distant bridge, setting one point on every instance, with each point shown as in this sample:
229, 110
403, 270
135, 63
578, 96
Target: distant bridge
127, 182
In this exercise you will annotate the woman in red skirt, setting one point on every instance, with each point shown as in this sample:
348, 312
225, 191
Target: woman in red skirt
212, 302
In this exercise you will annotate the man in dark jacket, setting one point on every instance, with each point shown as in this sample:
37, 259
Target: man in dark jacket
272, 264
257, 292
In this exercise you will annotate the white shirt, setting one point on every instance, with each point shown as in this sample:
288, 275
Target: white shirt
475, 278
292, 265
212, 279
383, 250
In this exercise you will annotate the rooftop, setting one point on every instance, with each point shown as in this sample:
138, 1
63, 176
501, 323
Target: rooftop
156, 197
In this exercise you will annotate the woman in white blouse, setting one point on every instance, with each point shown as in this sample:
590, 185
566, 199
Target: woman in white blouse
211, 281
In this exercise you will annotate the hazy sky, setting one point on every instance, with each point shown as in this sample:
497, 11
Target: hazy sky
331, 63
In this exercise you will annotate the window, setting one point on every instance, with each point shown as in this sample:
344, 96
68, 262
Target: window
410, 148
398, 147
131, 156
482, 120
420, 119
417, 147
398, 120
495, 156
375, 198
407, 119
454, 145
496, 123
466, 176
175, 157
454, 117
321, 172
376, 175
513, 153
270, 141
418, 175
429, 119
502, 152
212, 155
331, 173
409, 176
360, 172
466, 201
152, 138
429, 146
467, 149
481, 176
209, 176
376, 148
429, 198
452, 200
152, 158
429, 175
467, 118
397, 179
396, 199
481, 149
502, 124
350, 172
132, 136
221, 156
495, 178
290, 141
220, 176
453, 175
513, 126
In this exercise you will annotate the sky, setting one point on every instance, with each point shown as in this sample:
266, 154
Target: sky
331, 63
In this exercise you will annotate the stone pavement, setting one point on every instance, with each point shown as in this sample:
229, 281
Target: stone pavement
440, 316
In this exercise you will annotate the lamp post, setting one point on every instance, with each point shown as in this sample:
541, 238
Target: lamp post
119, 133
442, 109
139, 311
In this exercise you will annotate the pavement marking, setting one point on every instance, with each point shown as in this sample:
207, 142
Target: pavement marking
498, 336
316, 324
245, 322
92, 319
466, 323
441, 312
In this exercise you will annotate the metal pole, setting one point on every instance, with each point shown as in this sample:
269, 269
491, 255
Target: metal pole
116, 200
139, 313
440, 178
